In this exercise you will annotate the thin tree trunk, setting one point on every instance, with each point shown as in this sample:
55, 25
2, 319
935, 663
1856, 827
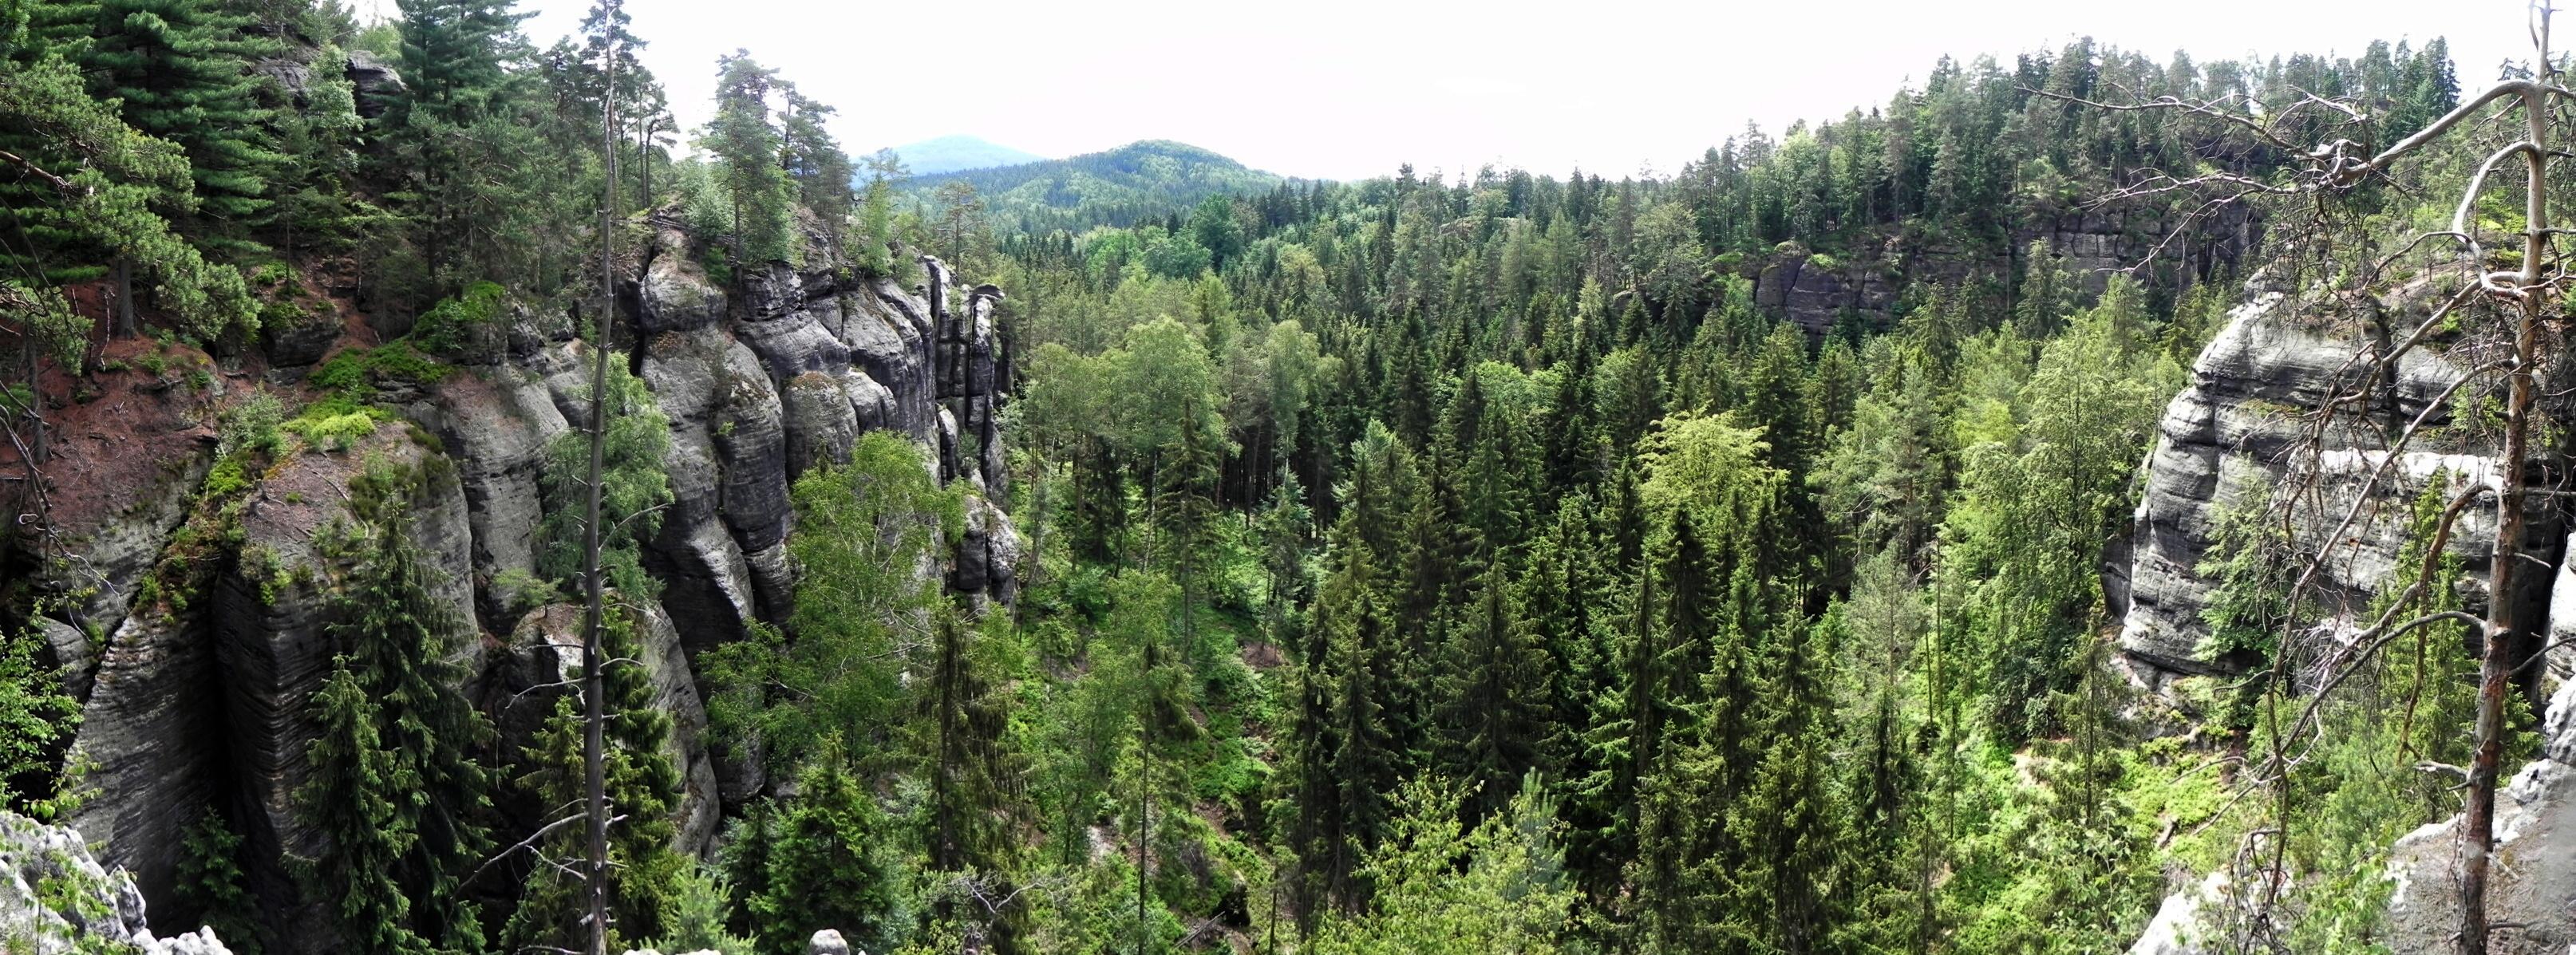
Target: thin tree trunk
594, 710
2503, 630
125, 327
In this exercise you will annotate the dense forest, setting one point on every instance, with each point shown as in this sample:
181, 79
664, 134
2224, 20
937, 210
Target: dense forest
1733, 561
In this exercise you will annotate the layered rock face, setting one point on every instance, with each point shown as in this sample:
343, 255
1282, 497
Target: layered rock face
2237, 441
202, 703
2240, 436
1817, 292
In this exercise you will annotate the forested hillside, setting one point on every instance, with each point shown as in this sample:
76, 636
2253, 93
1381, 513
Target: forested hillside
2060, 508
1153, 179
953, 153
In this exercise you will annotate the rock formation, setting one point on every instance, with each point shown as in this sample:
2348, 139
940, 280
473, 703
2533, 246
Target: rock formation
2231, 442
56, 899
200, 701
2235, 435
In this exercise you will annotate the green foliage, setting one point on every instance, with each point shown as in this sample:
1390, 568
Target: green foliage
396, 785
450, 326
1120, 187
114, 193
746, 145
333, 432
356, 374
818, 861
862, 530
210, 877
634, 488
1496, 886
37, 718
180, 71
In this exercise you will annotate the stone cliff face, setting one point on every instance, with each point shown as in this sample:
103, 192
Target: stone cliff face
197, 698
2239, 433
2234, 441
1817, 292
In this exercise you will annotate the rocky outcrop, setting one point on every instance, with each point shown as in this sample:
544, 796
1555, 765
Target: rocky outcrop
1815, 292
202, 702
2234, 437
376, 81
152, 737
2533, 885
56, 899
495, 428
273, 607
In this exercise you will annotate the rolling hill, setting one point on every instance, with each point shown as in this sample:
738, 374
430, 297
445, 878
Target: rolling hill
948, 154
1117, 187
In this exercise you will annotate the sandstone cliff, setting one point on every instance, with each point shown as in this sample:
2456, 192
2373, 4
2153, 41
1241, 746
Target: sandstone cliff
191, 617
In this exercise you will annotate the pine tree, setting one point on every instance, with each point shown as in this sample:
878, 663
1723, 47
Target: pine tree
181, 70
96, 190
465, 165
747, 144
817, 168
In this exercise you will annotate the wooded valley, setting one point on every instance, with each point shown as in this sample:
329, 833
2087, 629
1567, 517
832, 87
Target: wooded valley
2084, 502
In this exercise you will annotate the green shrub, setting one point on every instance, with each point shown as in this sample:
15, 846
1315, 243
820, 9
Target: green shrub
354, 374
449, 326
334, 432
250, 425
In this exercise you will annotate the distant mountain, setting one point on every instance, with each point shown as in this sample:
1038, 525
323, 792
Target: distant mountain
1120, 187
948, 154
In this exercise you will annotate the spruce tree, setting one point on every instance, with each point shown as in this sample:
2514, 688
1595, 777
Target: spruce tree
825, 864
353, 797
398, 731
1494, 699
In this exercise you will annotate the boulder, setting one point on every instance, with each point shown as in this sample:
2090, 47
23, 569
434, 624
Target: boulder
297, 337
888, 337
751, 454
56, 899
674, 294
497, 429
293, 79
68, 651
821, 421
376, 82
794, 344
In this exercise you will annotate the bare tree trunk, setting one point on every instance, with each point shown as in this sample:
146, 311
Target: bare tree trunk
594, 710
124, 298
2503, 630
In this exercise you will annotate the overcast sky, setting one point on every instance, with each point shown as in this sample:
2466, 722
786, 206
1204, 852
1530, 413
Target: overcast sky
1350, 88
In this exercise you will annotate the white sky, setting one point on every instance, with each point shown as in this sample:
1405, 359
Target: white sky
1350, 88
